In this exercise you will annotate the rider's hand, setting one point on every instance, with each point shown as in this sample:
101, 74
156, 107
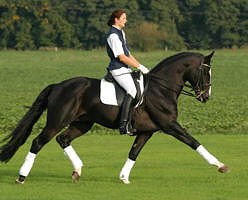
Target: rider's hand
143, 69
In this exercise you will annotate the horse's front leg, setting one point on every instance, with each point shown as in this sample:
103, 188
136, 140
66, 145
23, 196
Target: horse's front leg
138, 144
181, 134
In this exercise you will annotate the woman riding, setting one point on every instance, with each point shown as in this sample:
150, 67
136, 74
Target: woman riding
119, 66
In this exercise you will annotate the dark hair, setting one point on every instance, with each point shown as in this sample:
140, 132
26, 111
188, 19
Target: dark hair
115, 14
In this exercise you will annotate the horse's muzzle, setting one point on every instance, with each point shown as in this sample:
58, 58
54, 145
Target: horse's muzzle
204, 97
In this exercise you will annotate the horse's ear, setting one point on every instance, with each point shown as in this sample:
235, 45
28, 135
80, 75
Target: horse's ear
211, 54
207, 59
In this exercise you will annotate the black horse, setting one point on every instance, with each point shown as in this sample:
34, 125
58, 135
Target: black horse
76, 102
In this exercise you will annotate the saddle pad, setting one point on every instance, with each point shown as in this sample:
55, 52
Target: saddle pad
113, 94
107, 93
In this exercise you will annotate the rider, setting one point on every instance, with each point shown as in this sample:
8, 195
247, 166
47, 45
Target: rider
121, 59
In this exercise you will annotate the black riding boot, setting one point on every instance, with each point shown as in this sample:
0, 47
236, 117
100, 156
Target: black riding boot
125, 112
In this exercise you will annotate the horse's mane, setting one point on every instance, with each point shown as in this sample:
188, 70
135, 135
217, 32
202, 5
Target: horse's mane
169, 60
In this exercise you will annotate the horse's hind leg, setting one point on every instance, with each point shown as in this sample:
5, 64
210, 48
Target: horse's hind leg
57, 119
138, 144
75, 130
44, 137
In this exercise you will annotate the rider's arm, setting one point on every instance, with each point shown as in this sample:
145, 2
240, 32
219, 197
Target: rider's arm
116, 46
129, 61
132, 58
133, 62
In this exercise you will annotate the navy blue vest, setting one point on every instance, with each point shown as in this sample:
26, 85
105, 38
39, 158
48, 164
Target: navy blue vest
115, 63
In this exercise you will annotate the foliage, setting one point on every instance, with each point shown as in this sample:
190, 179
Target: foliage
214, 24
147, 37
196, 24
165, 14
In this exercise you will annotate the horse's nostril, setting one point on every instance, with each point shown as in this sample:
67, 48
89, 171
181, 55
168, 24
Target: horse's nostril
207, 97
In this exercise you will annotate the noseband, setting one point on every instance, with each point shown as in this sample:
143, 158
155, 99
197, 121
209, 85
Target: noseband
199, 87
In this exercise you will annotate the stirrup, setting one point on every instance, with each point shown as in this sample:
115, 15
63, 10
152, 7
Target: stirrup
130, 130
123, 129
126, 128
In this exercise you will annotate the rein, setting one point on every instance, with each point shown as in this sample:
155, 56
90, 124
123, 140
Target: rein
184, 92
196, 89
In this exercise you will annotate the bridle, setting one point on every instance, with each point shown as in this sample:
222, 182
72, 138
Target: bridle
198, 88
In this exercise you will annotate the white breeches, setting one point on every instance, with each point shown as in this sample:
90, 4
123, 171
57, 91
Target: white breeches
125, 80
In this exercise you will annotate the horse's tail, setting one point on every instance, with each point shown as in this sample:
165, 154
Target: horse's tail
22, 131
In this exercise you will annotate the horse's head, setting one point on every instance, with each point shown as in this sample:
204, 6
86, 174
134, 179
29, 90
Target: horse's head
200, 78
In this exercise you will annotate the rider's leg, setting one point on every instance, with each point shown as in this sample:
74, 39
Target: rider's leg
125, 80
125, 114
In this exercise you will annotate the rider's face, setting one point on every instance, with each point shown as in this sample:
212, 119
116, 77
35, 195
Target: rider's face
120, 23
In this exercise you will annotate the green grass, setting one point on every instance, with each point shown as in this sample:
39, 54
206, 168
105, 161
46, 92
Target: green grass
165, 169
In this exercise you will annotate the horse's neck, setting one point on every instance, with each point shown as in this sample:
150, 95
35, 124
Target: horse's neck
173, 76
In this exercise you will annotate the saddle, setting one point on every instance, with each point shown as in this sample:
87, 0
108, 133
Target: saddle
111, 93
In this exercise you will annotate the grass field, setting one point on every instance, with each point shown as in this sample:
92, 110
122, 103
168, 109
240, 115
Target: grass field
166, 169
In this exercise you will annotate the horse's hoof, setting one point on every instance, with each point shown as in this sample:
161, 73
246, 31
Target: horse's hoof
75, 176
18, 181
125, 181
224, 169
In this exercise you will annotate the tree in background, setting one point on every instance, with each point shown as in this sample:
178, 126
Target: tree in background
161, 24
147, 37
242, 24
213, 23
221, 20
29, 24
192, 27
14, 31
165, 14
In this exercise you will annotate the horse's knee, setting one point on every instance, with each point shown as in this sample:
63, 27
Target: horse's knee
63, 142
36, 145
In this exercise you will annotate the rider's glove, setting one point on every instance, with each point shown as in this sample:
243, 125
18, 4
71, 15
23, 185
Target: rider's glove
143, 69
